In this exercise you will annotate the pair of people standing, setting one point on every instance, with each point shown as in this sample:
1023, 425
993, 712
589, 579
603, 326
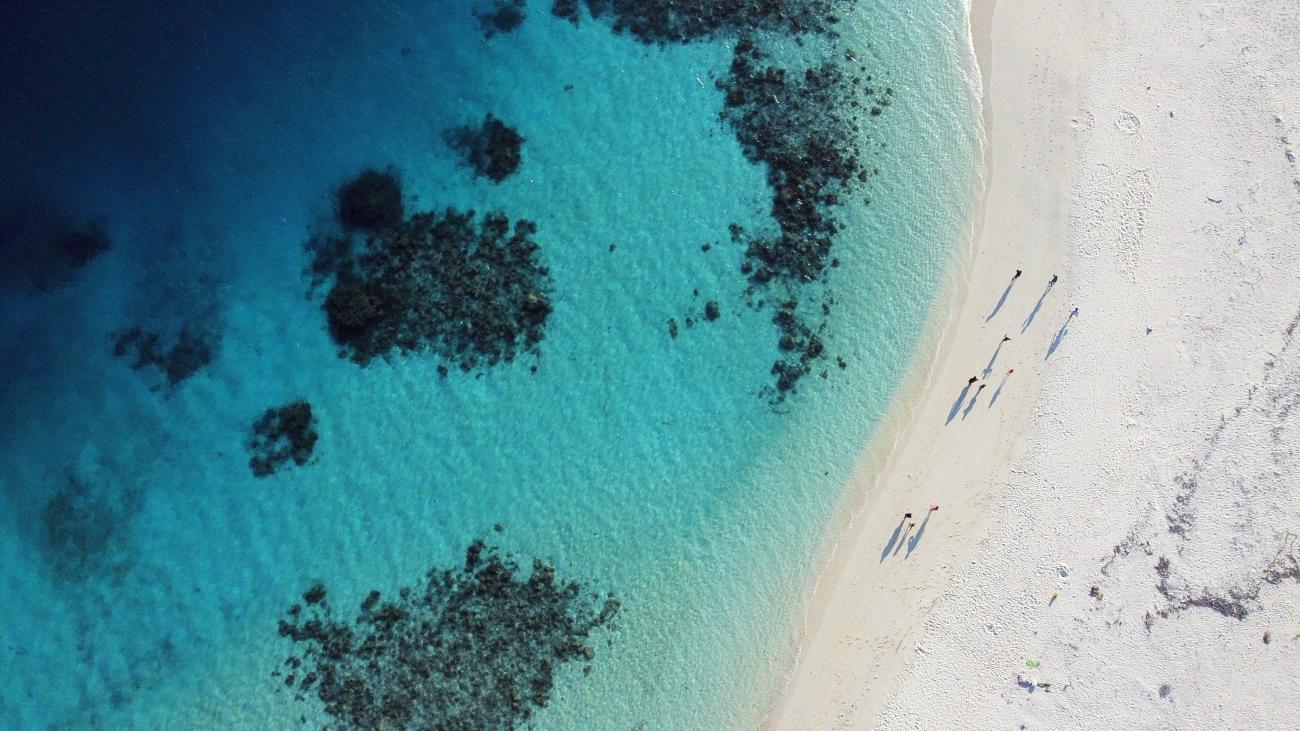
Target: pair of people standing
1050, 283
908, 516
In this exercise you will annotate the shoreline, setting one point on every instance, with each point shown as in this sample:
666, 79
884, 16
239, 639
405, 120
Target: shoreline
801, 697
1113, 523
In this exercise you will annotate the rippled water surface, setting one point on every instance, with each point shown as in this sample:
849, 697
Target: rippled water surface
143, 565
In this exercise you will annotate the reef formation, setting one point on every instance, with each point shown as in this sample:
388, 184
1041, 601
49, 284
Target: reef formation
682, 21
503, 16
805, 123
283, 434
469, 288
473, 648
492, 149
372, 201
177, 357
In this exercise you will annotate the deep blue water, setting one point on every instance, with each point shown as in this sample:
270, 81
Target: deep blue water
206, 140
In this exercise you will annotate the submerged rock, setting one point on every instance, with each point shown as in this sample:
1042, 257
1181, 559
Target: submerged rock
471, 648
283, 434
492, 149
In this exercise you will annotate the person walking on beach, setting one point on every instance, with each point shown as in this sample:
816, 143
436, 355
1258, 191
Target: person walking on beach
1051, 281
972, 380
1010, 371
1005, 338
981, 388
934, 507
1074, 312
1016, 276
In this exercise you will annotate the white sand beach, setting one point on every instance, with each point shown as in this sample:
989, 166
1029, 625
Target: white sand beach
1118, 539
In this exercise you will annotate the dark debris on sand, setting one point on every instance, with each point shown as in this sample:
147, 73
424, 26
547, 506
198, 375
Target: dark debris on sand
474, 648
492, 149
283, 434
469, 288
503, 16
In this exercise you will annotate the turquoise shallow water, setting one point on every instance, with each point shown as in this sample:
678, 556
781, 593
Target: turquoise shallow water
647, 465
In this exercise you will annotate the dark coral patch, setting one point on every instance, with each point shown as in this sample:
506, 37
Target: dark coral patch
86, 528
473, 292
683, 21
283, 434
79, 246
503, 17
371, 202
177, 357
43, 249
804, 123
802, 127
799, 344
473, 648
569, 10
492, 149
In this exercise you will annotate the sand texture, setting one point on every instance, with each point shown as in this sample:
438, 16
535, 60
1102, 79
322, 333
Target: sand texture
1119, 533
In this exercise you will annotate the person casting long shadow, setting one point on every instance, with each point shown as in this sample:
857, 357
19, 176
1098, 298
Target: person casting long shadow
1003, 299
906, 533
1038, 306
898, 531
989, 368
1060, 334
971, 405
956, 405
998, 392
915, 540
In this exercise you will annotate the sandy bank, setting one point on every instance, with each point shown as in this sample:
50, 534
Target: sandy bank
1146, 153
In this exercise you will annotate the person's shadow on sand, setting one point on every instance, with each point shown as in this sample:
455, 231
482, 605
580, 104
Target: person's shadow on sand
915, 540
956, 405
898, 531
989, 368
998, 392
970, 406
1060, 335
1002, 300
1034, 313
